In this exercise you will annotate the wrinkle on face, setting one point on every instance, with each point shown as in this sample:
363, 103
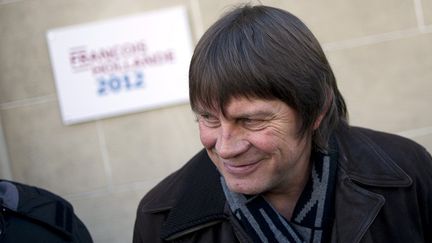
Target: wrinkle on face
255, 131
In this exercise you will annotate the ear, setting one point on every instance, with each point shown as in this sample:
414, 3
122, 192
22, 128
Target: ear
319, 119
323, 113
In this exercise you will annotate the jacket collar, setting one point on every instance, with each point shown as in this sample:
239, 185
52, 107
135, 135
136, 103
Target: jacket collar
367, 163
201, 203
363, 162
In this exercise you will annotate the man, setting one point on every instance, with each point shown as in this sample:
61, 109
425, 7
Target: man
280, 163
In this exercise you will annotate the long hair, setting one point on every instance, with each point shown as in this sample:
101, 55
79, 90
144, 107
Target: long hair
268, 53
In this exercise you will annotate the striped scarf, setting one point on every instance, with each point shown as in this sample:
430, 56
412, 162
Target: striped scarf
312, 217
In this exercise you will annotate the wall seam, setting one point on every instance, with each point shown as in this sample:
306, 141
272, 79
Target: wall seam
9, 1
104, 154
418, 8
127, 187
5, 165
28, 102
375, 39
197, 19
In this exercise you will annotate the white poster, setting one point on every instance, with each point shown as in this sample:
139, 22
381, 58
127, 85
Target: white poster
121, 65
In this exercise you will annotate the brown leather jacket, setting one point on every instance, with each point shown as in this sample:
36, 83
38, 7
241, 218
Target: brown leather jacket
383, 194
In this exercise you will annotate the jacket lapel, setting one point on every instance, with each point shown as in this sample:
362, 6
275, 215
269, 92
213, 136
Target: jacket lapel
361, 162
356, 209
365, 162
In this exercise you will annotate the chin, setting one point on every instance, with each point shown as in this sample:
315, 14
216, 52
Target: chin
244, 187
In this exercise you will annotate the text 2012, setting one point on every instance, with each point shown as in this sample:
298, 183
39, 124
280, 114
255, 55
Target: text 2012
116, 83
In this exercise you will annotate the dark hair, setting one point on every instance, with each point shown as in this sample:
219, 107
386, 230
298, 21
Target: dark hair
265, 52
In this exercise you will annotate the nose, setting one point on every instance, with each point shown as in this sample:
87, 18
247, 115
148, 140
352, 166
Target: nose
231, 142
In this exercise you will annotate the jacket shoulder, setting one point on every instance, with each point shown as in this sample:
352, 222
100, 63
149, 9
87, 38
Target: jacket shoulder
400, 149
410, 156
47, 214
165, 194
389, 140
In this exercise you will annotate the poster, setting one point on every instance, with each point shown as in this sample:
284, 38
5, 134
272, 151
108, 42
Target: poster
121, 65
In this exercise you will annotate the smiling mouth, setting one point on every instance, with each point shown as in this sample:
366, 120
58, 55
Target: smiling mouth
241, 170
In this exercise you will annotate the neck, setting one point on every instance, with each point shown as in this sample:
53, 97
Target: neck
285, 199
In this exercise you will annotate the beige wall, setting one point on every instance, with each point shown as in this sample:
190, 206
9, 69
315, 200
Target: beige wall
381, 52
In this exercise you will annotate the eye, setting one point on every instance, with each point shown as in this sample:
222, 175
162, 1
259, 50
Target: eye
208, 120
253, 124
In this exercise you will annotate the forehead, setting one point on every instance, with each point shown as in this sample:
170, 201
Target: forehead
244, 107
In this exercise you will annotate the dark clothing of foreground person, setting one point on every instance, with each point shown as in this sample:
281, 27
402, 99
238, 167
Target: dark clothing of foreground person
31, 214
281, 162
382, 194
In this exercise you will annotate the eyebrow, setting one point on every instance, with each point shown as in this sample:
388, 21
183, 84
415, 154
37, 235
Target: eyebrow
253, 114
202, 111
242, 114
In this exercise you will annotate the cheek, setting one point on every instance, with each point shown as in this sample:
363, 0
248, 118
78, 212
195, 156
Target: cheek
208, 137
264, 141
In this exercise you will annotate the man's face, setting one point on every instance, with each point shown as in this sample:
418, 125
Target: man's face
255, 146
